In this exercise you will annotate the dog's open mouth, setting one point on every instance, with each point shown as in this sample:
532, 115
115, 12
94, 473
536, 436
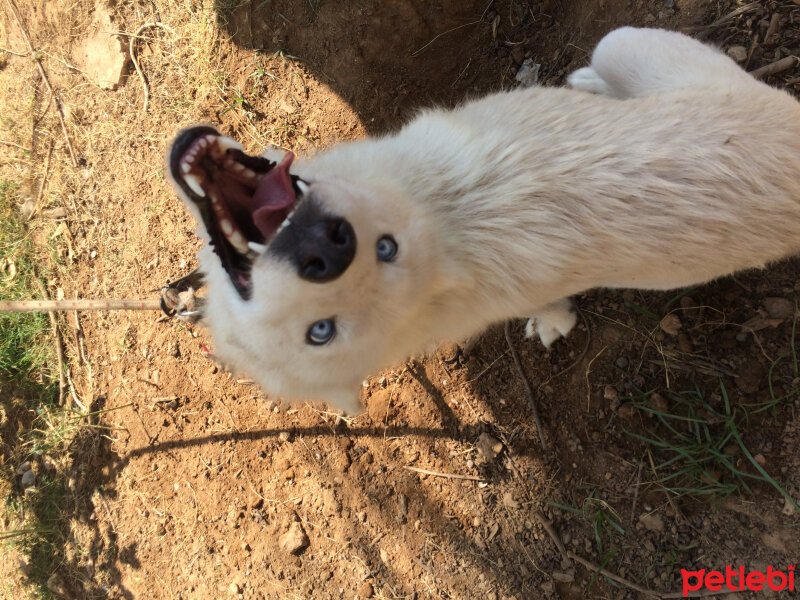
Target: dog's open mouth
243, 200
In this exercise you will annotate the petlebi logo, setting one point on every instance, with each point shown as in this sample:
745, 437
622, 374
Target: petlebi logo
737, 579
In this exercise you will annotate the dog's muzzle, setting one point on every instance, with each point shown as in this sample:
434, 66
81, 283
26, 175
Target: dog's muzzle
319, 245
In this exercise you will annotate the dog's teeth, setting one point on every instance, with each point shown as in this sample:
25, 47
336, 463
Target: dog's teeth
186, 166
238, 167
249, 173
302, 186
238, 242
194, 184
256, 247
283, 225
205, 141
227, 227
226, 143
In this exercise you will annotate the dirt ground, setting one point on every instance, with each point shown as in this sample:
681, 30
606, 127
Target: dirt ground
191, 477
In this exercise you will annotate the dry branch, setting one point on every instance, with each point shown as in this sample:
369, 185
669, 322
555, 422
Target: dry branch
46, 80
773, 68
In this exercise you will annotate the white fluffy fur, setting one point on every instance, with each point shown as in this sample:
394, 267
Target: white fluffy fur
666, 165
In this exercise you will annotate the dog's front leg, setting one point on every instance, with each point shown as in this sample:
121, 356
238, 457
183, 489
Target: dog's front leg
552, 321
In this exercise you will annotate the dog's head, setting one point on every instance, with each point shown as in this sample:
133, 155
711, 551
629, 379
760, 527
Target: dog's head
312, 284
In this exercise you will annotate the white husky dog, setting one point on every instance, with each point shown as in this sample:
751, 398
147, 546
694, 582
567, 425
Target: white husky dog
665, 165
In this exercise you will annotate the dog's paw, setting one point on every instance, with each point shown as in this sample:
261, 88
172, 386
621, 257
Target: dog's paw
552, 322
588, 80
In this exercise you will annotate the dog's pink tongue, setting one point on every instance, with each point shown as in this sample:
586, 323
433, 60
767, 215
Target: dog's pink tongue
273, 194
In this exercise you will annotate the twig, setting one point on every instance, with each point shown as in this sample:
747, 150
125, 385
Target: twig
627, 583
418, 51
23, 148
729, 17
14, 53
135, 61
773, 27
528, 389
43, 183
548, 527
108, 512
62, 382
773, 68
636, 493
447, 475
46, 80
588, 372
79, 304
74, 394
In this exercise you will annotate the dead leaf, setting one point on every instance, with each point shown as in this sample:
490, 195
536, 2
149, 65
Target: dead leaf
773, 541
760, 322
509, 502
779, 308
670, 324
652, 522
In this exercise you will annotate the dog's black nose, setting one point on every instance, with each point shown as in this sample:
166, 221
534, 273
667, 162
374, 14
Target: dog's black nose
319, 245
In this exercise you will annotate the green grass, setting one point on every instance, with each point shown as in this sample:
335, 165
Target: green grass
28, 404
25, 351
605, 521
699, 445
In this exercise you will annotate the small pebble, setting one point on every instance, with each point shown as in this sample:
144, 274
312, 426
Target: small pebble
28, 479
295, 540
738, 53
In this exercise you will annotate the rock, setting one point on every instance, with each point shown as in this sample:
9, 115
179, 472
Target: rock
509, 502
233, 589
750, 376
652, 522
788, 508
658, 403
56, 585
295, 540
610, 393
626, 411
365, 590
528, 73
779, 308
105, 55
489, 446
23, 467
670, 324
565, 577
738, 53
28, 479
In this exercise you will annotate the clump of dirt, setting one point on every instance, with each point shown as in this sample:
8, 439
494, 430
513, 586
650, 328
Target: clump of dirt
192, 484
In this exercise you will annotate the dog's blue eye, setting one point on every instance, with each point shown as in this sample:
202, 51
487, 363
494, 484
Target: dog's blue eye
387, 248
321, 332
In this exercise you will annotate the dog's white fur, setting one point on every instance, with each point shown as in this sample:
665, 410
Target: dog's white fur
666, 165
